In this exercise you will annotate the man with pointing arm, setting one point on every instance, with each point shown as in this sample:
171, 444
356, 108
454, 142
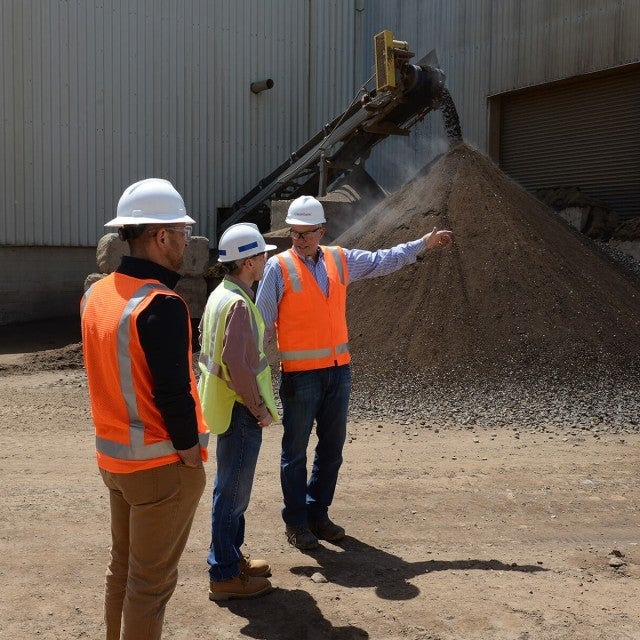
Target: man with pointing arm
303, 294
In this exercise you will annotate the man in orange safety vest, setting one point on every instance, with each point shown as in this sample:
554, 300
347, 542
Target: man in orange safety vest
151, 437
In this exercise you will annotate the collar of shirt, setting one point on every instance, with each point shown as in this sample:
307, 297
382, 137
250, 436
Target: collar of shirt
249, 291
147, 270
317, 268
319, 255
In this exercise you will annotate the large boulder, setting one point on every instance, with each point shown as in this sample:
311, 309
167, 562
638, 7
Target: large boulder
93, 278
194, 291
196, 257
109, 252
586, 214
192, 286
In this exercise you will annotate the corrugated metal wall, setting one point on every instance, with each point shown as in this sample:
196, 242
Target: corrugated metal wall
487, 47
95, 95
460, 33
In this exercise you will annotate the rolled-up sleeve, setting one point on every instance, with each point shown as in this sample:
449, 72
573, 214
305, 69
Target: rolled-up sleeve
240, 354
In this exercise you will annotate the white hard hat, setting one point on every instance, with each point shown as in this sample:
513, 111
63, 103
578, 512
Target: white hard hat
242, 240
150, 201
305, 210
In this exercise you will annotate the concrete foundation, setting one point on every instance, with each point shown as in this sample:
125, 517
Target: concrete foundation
42, 282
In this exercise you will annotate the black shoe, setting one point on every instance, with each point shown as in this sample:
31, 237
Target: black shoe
327, 530
301, 538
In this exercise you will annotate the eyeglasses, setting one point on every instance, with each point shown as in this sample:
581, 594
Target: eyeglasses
186, 231
301, 235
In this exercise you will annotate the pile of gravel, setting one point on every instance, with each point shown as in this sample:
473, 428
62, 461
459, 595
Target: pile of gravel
590, 400
523, 323
629, 264
62, 359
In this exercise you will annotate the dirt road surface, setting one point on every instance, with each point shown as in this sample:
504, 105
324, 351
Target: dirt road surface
453, 534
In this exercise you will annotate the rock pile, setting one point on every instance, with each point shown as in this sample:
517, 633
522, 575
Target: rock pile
590, 216
192, 286
524, 315
626, 238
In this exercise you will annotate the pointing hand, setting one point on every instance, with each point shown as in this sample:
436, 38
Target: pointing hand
440, 239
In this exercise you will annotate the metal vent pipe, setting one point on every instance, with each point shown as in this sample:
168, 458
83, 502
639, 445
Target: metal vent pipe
261, 85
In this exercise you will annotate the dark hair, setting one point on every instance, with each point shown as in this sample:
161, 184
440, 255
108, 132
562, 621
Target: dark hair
221, 269
131, 232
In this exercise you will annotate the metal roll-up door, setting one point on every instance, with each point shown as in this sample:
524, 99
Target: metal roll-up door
584, 133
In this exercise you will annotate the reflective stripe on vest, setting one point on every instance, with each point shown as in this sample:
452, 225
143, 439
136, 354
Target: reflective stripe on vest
205, 358
215, 369
337, 257
320, 320
314, 353
137, 450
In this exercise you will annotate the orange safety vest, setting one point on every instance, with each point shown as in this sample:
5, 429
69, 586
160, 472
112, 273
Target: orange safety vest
130, 431
311, 327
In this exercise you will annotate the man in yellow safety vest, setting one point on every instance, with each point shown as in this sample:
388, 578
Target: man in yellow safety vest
238, 402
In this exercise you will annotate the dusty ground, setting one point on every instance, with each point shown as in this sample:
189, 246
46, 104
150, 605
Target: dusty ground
454, 533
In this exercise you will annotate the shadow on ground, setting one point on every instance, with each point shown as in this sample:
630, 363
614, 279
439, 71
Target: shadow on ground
295, 615
353, 563
289, 615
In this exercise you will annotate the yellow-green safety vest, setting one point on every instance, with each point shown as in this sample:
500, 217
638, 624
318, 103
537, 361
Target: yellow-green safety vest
215, 387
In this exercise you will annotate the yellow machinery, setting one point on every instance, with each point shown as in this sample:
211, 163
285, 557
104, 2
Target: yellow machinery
390, 56
405, 93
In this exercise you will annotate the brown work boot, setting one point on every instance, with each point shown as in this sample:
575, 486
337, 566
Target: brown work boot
241, 586
301, 538
327, 530
254, 567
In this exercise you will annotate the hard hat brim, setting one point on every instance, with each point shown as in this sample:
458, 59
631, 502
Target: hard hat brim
149, 219
304, 223
267, 247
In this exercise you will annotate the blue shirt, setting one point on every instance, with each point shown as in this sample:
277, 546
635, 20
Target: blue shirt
361, 264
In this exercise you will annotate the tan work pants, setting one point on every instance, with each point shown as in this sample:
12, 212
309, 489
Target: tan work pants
151, 516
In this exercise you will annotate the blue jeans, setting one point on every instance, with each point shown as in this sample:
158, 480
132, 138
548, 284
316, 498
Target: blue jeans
236, 456
321, 395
